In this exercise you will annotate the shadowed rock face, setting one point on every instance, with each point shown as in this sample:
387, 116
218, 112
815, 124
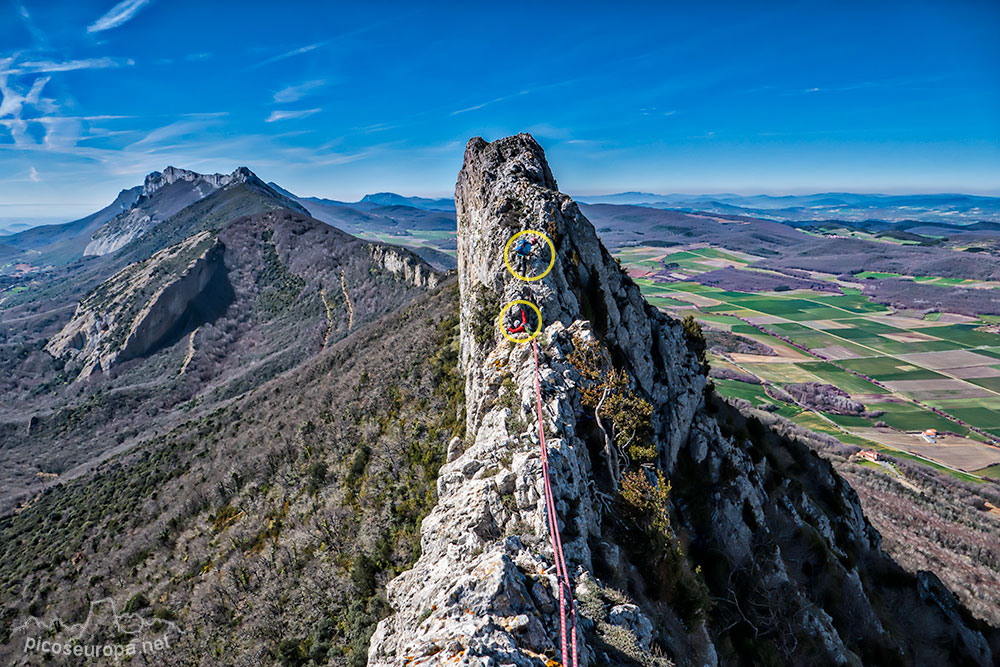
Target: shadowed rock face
130, 313
795, 568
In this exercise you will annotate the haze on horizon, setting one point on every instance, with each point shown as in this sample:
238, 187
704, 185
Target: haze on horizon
772, 98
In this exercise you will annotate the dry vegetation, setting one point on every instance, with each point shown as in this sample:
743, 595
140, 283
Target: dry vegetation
943, 526
724, 342
824, 397
269, 528
907, 294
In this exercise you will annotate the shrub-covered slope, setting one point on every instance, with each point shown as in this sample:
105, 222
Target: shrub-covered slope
266, 529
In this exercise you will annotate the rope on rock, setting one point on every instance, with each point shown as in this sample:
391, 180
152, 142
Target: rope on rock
562, 575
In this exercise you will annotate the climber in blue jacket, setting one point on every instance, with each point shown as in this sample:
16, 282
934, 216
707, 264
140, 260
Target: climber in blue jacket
524, 249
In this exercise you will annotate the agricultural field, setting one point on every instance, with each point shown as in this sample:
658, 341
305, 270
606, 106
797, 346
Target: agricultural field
927, 280
912, 371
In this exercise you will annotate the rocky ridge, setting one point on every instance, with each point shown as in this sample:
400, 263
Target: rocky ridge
794, 570
207, 182
165, 194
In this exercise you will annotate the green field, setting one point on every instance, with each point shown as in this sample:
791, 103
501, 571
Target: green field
964, 335
887, 369
748, 392
992, 472
850, 421
840, 378
910, 417
853, 333
864, 275
667, 302
983, 412
993, 384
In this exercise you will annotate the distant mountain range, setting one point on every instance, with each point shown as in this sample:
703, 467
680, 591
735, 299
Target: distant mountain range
14, 225
378, 200
954, 209
950, 208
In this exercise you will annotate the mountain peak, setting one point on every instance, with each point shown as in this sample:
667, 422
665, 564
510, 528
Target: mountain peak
393, 199
167, 192
383, 198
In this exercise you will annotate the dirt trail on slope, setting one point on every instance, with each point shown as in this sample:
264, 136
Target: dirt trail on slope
347, 298
190, 352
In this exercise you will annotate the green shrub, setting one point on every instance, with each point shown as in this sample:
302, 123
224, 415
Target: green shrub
486, 310
317, 477
358, 465
646, 506
292, 653
135, 603
630, 414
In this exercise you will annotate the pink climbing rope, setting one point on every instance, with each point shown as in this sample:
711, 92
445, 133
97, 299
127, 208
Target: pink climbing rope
562, 575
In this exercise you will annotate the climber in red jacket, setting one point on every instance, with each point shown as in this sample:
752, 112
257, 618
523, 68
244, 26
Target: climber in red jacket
519, 328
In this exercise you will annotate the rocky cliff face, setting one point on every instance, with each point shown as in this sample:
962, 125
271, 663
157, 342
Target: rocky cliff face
131, 312
208, 182
405, 265
166, 193
757, 552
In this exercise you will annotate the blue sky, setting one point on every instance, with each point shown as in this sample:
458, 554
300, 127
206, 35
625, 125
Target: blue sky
339, 100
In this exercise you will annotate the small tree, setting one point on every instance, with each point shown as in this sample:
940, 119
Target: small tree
608, 393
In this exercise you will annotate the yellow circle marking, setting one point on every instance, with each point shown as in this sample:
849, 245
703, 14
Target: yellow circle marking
552, 255
503, 329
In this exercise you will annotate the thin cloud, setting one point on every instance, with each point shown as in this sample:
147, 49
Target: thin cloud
289, 54
290, 115
489, 102
38, 66
377, 127
88, 118
33, 175
158, 138
12, 104
297, 92
913, 82
30, 25
121, 13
